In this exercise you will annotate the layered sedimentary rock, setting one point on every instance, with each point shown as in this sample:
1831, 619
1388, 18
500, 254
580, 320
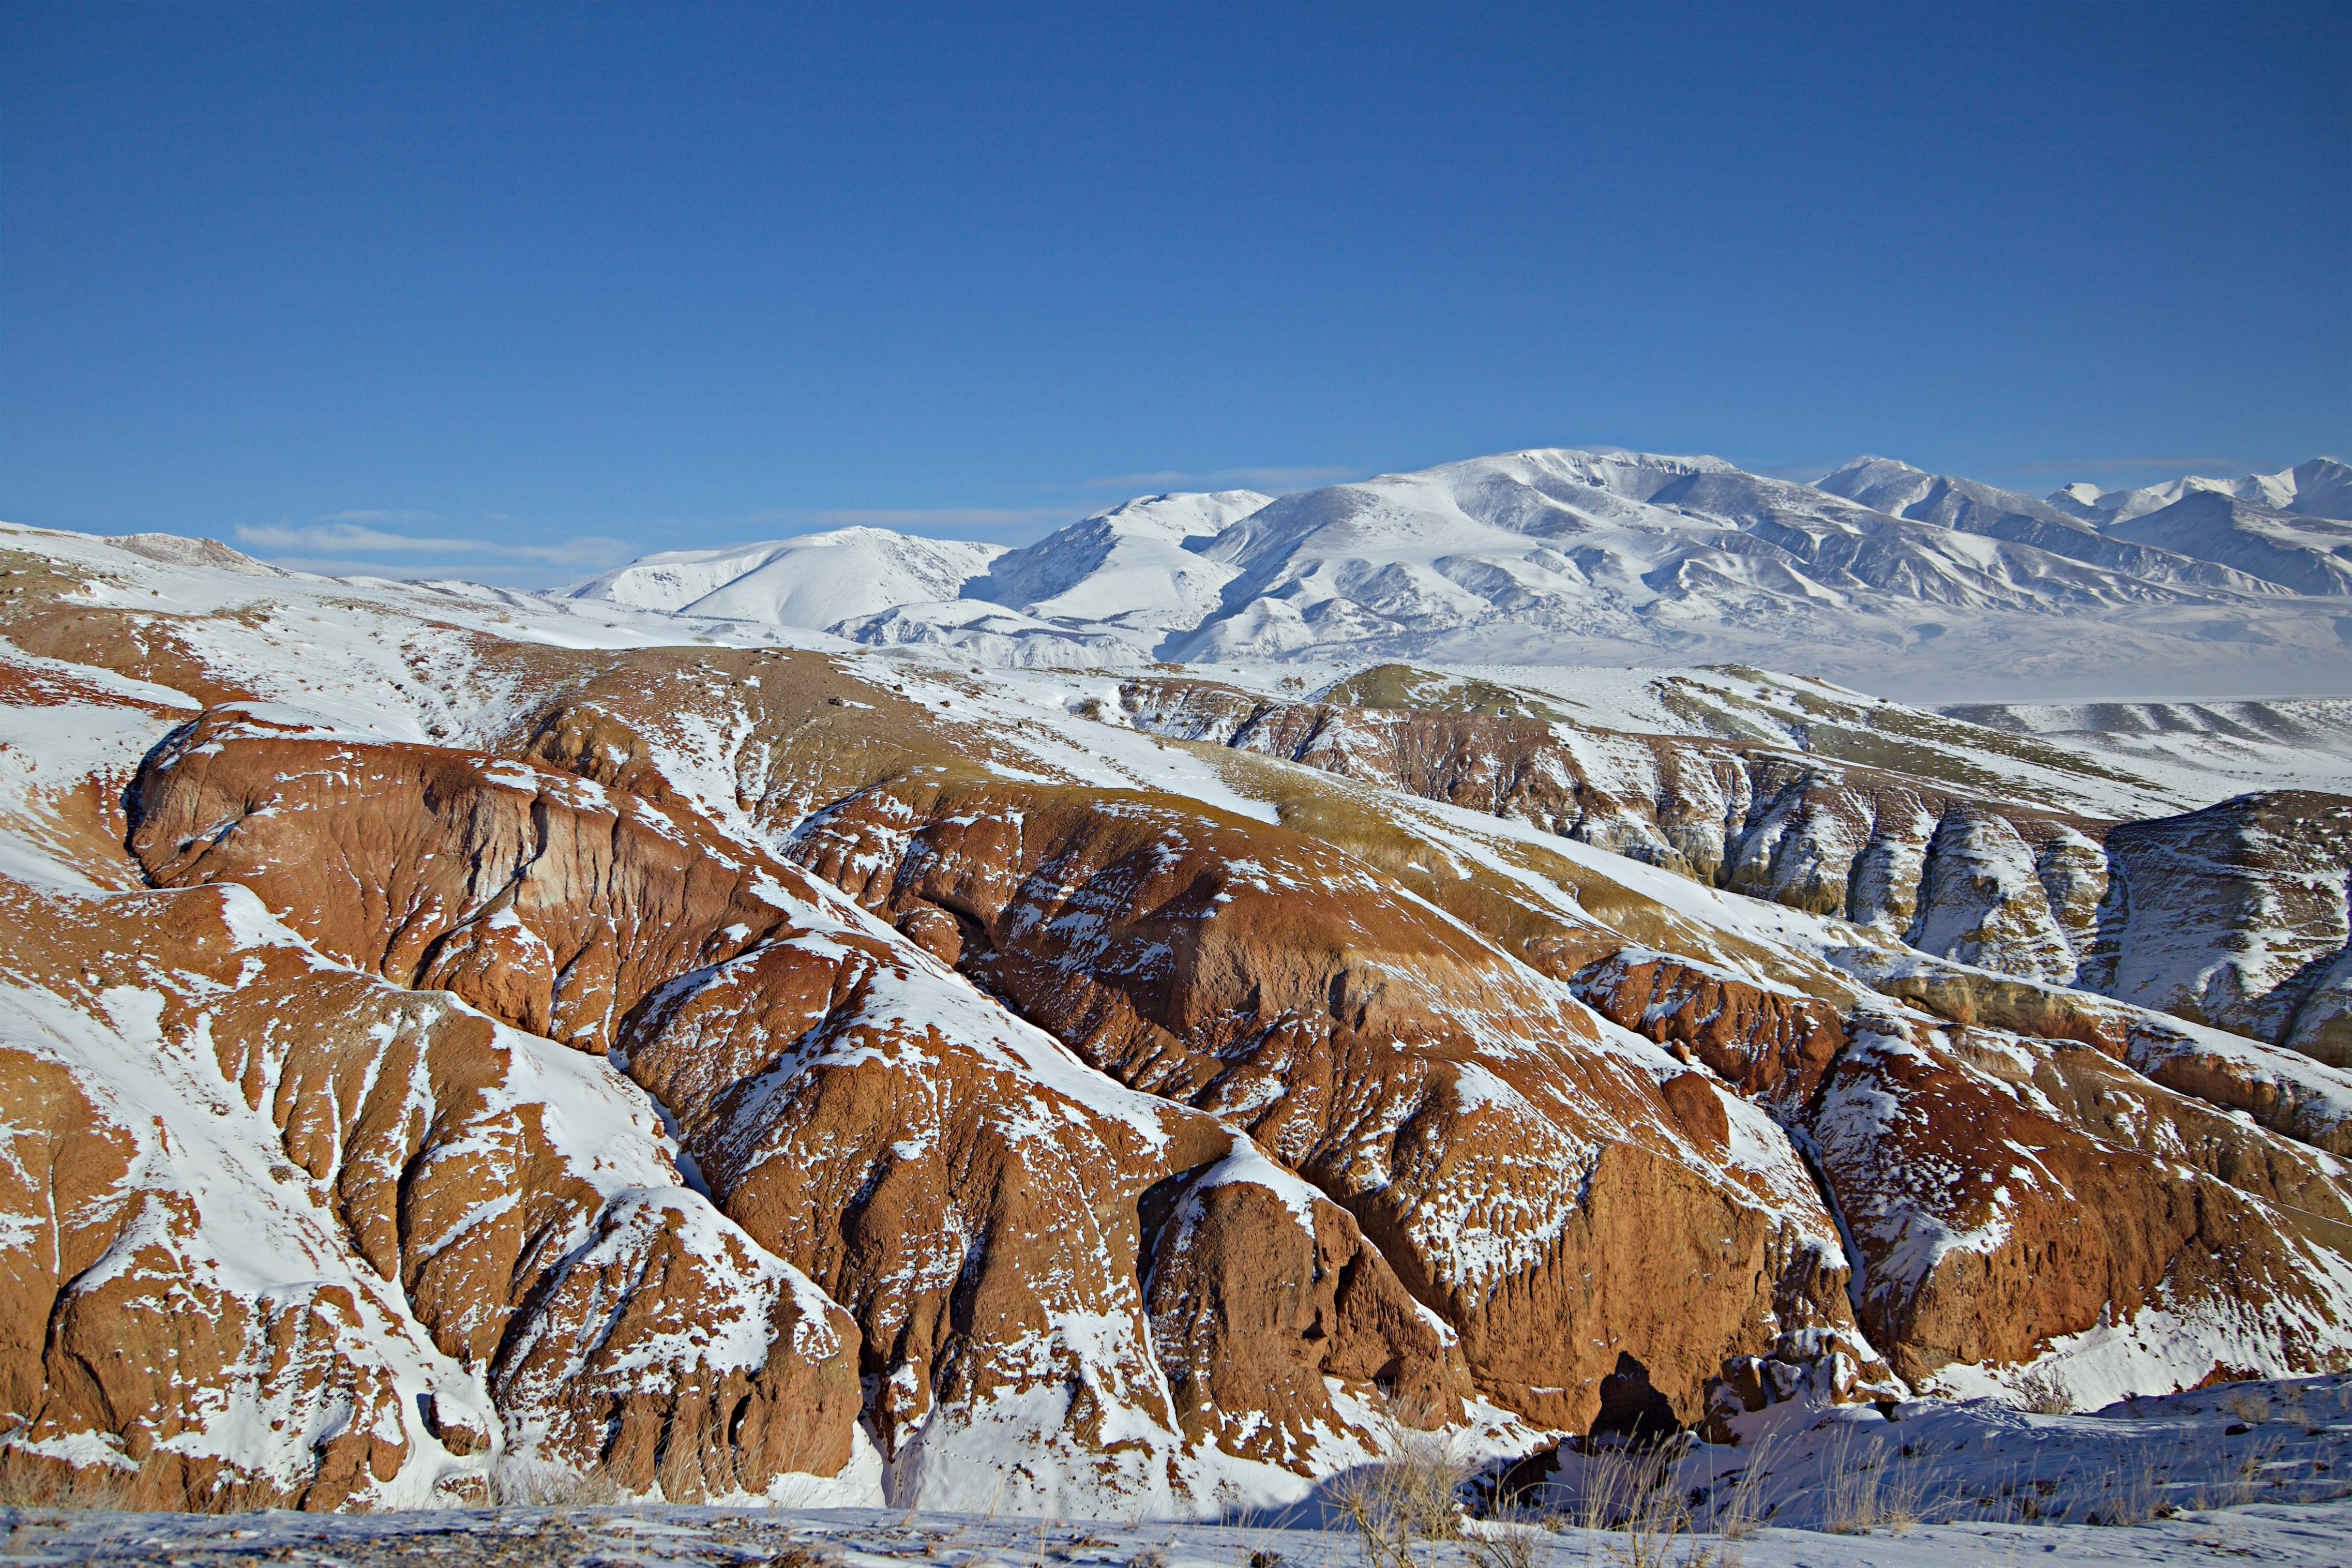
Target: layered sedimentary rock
728, 1063
301, 1237
1440, 1090
2235, 915
968, 1193
1827, 836
1965, 1162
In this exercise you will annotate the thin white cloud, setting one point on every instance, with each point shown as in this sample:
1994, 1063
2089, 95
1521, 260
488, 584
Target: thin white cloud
331, 538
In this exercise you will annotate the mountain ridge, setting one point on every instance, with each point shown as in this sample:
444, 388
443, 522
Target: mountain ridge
1608, 555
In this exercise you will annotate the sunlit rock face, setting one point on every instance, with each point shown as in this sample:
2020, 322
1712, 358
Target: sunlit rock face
432, 1055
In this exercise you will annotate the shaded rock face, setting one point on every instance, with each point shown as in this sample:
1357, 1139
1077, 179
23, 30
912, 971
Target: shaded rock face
1256, 1282
2235, 915
1414, 1074
965, 1190
416, 1172
1631, 1408
1827, 836
1981, 900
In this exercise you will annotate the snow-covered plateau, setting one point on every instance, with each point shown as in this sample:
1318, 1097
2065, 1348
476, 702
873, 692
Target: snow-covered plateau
1107, 1049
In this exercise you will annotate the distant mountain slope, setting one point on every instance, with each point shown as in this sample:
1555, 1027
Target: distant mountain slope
1108, 589
1500, 554
1127, 567
2308, 554
2320, 488
814, 581
1920, 585
1905, 491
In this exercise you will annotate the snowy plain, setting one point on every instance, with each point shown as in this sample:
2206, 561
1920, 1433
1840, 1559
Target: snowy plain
2252, 1472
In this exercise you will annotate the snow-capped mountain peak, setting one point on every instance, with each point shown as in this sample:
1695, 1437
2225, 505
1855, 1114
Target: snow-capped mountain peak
814, 581
1880, 572
2320, 488
1136, 565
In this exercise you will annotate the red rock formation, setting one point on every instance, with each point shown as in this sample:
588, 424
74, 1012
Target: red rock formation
965, 1189
1407, 1068
1813, 832
1964, 1162
1770, 1045
273, 1191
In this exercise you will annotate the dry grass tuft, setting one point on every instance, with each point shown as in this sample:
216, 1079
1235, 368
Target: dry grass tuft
162, 1481
1412, 1494
54, 1486
2248, 1407
2044, 1391
535, 1483
1864, 1492
806, 1555
1627, 1499
2136, 1500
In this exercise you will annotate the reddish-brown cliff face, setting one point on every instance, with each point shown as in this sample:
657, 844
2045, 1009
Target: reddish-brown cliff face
1383, 1051
276, 1201
939, 867
730, 1056
1771, 1044
967, 1192
1966, 1164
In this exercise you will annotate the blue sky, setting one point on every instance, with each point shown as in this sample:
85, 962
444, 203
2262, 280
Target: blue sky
517, 291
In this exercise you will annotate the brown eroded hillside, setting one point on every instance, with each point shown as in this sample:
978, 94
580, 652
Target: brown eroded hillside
435, 1050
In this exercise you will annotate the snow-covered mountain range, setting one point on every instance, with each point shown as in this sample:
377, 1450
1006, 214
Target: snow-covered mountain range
1880, 573
455, 1041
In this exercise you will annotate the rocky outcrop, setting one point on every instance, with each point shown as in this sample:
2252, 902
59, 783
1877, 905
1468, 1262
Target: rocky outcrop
1962, 1159
1817, 1367
1819, 833
1530, 1181
963, 1187
393, 1113
538, 897
1257, 1282
1981, 900
1772, 1045
270, 1199
2281, 1089
2236, 916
